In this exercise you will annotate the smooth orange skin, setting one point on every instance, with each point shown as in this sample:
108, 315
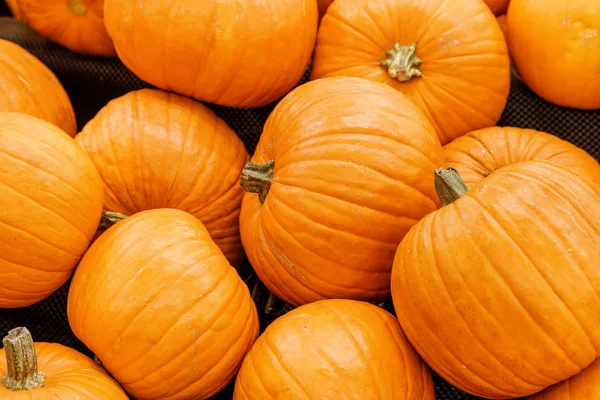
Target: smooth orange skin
503, 24
27, 86
158, 303
499, 291
555, 46
334, 350
242, 53
465, 63
498, 7
323, 5
480, 153
354, 163
69, 375
583, 386
159, 150
54, 19
50, 204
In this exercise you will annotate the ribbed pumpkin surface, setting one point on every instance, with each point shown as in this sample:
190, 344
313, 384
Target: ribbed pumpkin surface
28, 86
583, 386
69, 375
50, 205
499, 291
160, 150
155, 299
334, 350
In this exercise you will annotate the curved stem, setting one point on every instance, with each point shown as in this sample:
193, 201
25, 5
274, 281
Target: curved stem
256, 178
449, 185
21, 361
402, 62
77, 7
109, 218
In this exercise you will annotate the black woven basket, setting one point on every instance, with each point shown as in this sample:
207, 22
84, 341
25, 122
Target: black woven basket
91, 82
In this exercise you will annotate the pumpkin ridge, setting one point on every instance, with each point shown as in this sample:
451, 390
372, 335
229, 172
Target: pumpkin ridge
486, 148
294, 379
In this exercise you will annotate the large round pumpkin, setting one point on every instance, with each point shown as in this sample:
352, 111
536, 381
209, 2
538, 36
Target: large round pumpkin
478, 154
555, 46
343, 169
160, 150
27, 86
158, 303
449, 57
243, 53
50, 205
334, 349
499, 290
583, 386
76, 24
41, 371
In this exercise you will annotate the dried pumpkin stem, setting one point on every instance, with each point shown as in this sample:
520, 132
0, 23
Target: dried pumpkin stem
77, 7
21, 361
256, 178
109, 218
449, 185
402, 62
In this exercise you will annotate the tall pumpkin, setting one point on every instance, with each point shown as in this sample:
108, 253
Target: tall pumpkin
343, 169
36, 371
334, 349
27, 86
75, 24
499, 290
478, 154
159, 150
555, 46
449, 57
50, 205
583, 386
244, 53
158, 303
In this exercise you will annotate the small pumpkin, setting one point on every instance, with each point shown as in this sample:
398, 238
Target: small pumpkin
155, 299
343, 169
583, 386
75, 24
244, 53
498, 7
449, 57
50, 205
27, 86
554, 42
39, 371
499, 290
478, 154
334, 349
159, 150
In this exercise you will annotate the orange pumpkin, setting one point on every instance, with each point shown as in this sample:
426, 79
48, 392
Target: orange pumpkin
27, 86
75, 24
160, 150
499, 290
480, 153
244, 53
39, 371
449, 57
555, 46
15, 8
583, 386
334, 349
498, 7
50, 204
503, 24
175, 317
323, 5
344, 168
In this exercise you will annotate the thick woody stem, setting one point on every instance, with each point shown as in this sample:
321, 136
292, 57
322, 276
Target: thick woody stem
109, 218
449, 185
402, 62
256, 178
21, 361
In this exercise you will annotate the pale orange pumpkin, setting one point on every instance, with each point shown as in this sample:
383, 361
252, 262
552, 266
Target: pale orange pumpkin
160, 150
334, 349
449, 57
27, 86
40, 371
50, 205
583, 386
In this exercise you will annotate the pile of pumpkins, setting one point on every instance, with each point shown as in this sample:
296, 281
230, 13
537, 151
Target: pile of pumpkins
384, 175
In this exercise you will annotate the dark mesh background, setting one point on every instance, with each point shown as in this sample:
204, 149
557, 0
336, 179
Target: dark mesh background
91, 82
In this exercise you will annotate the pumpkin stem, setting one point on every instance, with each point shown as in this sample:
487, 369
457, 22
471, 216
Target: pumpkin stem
256, 178
449, 185
21, 361
402, 63
77, 7
109, 218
